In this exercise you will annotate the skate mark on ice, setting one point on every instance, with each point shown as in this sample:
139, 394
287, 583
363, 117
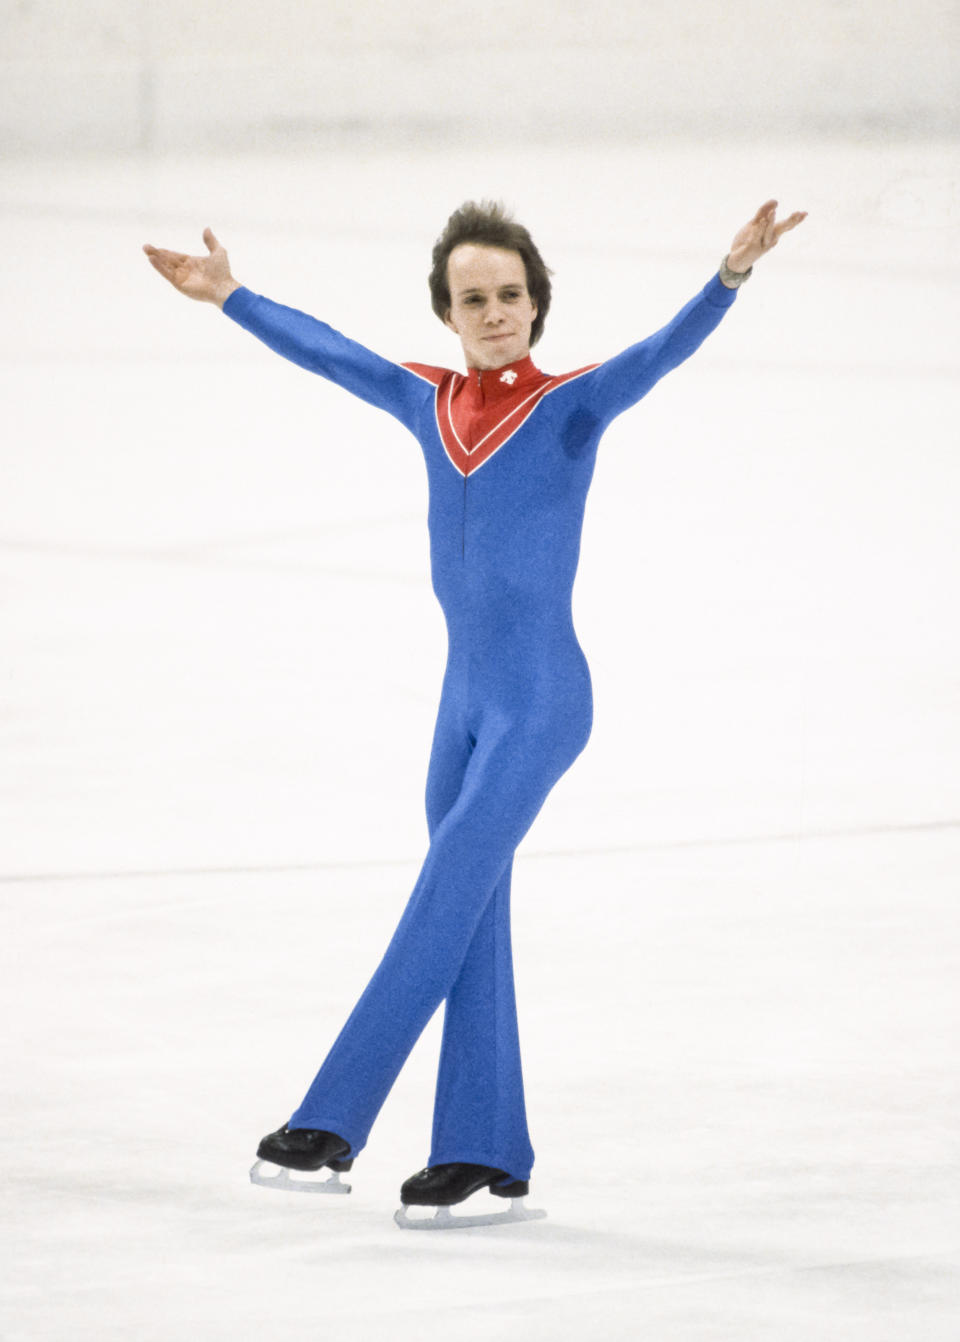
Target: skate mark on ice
653, 846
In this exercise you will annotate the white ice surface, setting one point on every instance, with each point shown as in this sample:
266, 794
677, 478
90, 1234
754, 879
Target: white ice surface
736, 918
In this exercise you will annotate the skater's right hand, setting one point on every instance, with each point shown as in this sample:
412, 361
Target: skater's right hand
205, 278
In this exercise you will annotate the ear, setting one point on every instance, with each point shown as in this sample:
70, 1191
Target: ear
448, 321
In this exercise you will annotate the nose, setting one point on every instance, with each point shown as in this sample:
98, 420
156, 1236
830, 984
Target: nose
493, 313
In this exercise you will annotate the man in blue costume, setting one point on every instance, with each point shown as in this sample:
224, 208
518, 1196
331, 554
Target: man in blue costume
510, 453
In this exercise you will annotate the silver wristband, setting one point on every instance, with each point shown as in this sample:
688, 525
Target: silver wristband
733, 278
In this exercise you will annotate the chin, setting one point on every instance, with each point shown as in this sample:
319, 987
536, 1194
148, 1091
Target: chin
490, 359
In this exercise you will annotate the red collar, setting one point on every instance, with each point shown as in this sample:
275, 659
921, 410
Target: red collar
480, 410
496, 384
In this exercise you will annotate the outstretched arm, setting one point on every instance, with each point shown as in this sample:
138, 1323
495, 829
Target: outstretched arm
205, 278
624, 379
296, 336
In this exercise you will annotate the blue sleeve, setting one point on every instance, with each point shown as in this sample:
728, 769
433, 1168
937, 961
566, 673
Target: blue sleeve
621, 381
320, 349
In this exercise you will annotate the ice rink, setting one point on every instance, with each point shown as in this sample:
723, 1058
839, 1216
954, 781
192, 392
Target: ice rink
735, 921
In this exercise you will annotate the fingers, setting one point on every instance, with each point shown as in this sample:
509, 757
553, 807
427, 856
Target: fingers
208, 237
158, 259
161, 254
796, 218
165, 262
766, 220
765, 210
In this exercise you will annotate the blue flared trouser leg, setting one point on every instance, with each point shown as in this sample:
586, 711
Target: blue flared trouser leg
462, 891
479, 1112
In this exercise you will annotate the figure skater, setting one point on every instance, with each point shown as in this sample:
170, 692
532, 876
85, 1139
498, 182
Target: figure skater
510, 452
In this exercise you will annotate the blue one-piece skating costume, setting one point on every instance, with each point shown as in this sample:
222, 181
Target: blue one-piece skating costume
509, 453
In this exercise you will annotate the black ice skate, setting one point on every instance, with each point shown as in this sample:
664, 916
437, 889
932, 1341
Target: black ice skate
443, 1186
305, 1149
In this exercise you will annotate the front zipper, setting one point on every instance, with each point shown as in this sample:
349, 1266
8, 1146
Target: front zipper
463, 526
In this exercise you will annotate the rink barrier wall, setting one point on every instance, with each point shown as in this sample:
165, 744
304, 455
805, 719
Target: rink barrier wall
105, 74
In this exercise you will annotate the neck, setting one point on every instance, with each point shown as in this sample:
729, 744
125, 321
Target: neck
523, 362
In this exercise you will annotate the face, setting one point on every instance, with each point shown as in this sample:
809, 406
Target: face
490, 308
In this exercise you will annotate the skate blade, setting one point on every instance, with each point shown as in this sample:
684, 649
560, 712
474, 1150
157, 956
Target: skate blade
286, 1183
444, 1219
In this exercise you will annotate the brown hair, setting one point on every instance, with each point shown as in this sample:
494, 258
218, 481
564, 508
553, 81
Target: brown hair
489, 225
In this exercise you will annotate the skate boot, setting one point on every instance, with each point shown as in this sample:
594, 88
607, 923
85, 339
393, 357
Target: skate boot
306, 1149
443, 1186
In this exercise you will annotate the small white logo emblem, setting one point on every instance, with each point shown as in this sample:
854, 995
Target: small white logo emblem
509, 377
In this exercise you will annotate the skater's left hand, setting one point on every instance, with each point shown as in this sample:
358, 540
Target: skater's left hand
759, 236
